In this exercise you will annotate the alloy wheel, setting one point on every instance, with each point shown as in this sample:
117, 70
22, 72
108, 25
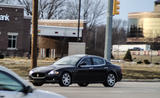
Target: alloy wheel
66, 79
111, 80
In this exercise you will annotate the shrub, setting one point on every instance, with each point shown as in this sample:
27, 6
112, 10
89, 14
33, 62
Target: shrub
147, 62
112, 57
139, 62
128, 56
158, 63
1, 56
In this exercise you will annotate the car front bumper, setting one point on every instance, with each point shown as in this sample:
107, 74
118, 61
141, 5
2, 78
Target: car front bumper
46, 79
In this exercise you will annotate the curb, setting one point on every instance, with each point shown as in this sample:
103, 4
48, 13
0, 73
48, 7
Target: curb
140, 80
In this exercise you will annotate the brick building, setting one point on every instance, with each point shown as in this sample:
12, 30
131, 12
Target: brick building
14, 31
55, 35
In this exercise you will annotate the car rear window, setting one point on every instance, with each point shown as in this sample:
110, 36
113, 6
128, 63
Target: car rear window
98, 61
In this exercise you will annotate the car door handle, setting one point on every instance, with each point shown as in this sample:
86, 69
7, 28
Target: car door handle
91, 68
105, 67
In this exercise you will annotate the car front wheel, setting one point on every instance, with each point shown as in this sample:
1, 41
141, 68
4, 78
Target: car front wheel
65, 79
110, 80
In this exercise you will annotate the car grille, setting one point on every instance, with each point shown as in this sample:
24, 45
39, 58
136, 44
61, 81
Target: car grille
38, 75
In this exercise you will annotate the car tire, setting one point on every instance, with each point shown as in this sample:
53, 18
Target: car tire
84, 84
110, 80
37, 83
65, 80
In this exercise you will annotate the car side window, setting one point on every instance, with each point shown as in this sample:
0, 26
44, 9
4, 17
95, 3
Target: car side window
98, 61
86, 61
8, 83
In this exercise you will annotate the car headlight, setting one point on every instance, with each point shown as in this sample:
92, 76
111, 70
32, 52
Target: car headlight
30, 72
53, 72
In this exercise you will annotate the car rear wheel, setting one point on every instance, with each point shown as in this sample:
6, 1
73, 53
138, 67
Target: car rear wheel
84, 84
65, 79
110, 80
37, 83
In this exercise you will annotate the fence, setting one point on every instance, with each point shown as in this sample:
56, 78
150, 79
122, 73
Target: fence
142, 53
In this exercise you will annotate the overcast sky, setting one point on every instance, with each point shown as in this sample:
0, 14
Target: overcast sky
128, 6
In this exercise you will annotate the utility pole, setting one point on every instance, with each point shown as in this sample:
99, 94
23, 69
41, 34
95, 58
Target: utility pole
79, 17
34, 34
108, 35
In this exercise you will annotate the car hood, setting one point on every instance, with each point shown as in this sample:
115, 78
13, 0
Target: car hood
49, 68
46, 94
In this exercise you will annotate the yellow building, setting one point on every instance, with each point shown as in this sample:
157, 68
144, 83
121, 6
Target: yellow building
148, 23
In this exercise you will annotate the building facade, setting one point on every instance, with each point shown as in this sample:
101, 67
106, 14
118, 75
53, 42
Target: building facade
148, 22
144, 27
14, 31
54, 36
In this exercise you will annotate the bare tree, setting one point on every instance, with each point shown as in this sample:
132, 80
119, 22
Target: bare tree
119, 32
91, 11
119, 35
12, 2
48, 9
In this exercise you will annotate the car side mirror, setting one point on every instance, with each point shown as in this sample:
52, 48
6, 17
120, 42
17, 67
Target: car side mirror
27, 89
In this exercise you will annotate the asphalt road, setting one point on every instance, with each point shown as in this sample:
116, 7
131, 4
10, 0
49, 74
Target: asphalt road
120, 90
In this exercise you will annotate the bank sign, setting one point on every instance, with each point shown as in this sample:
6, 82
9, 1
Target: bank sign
4, 17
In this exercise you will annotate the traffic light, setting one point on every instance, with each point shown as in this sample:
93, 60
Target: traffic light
116, 7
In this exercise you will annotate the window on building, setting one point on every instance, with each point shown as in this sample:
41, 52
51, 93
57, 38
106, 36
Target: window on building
12, 40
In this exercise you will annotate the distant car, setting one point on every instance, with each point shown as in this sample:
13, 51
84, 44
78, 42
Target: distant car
81, 69
12, 86
137, 49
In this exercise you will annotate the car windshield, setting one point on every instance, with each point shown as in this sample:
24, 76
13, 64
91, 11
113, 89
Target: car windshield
8, 83
69, 60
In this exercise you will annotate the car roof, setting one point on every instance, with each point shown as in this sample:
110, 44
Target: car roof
4, 69
86, 55
79, 55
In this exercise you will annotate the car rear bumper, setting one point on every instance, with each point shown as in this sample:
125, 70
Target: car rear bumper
119, 77
119, 74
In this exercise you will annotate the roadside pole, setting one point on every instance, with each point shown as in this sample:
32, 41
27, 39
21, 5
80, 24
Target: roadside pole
108, 34
79, 17
34, 34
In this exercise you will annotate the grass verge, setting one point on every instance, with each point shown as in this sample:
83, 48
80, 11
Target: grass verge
130, 70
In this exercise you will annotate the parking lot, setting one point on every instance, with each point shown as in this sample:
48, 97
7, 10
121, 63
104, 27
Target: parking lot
120, 90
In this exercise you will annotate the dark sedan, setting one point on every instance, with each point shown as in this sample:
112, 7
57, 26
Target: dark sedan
81, 69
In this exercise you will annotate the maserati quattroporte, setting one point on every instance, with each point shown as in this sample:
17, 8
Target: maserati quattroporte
80, 69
